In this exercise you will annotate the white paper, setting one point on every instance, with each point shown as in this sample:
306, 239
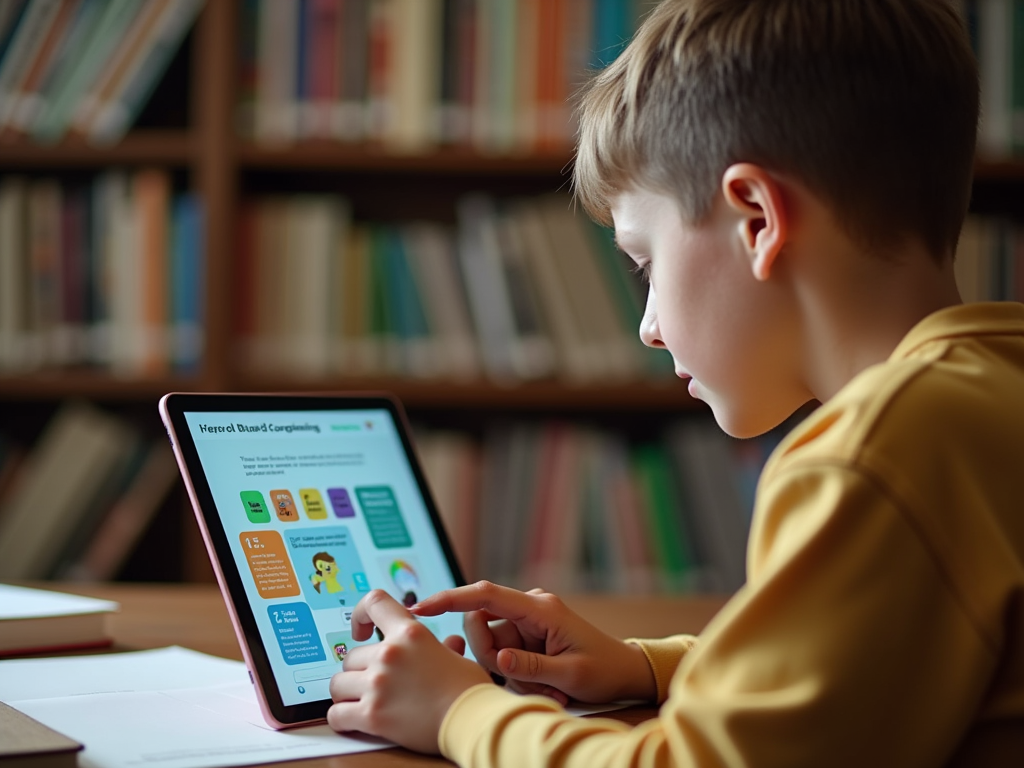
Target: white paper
157, 728
170, 707
156, 670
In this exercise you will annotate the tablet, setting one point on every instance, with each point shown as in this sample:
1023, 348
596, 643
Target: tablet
306, 503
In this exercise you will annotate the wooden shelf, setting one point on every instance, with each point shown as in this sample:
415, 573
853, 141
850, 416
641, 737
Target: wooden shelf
359, 157
542, 395
414, 393
141, 147
97, 385
417, 393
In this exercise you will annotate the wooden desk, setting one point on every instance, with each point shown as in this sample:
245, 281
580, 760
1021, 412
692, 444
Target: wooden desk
194, 616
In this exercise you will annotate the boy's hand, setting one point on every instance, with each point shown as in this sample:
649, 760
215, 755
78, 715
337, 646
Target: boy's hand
540, 646
402, 687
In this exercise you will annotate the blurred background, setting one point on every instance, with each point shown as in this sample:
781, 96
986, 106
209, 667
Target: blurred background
352, 195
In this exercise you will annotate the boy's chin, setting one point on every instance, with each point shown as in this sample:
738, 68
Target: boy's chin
742, 423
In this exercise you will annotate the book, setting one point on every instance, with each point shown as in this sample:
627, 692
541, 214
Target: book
113, 538
664, 517
27, 743
349, 119
65, 55
150, 350
718, 518
322, 67
430, 250
19, 106
493, 75
277, 32
74, 77
574, 359
117, 107
44, 621
415, 75
14, 279
123, 60
28, 39
188, 270
994, 63
489, 301
62, 476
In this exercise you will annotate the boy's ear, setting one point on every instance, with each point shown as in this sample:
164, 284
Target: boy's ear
764, 220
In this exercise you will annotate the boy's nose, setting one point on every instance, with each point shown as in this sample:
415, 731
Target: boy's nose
650, 334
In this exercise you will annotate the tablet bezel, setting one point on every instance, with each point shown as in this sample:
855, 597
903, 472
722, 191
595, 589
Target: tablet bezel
173, 407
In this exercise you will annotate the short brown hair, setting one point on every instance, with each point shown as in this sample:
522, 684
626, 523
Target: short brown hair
872, 104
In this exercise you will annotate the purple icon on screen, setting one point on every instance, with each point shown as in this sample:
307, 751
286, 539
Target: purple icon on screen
341, 502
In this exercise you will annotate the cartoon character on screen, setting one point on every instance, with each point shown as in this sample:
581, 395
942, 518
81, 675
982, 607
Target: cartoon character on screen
340, 651
326, 573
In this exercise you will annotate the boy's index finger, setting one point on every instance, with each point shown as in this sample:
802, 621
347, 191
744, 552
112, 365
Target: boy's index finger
377, 609
503, 602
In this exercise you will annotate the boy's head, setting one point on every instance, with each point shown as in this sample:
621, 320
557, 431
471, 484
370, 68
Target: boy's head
871, 104
761, 161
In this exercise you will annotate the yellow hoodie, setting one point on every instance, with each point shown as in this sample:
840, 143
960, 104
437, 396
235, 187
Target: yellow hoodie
882, 623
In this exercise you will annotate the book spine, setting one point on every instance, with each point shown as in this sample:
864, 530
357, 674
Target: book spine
276, 118
28, 38
44, 206
14, 282
75, 79
114, 116
323, 66
22, 101
350, 122
188, 267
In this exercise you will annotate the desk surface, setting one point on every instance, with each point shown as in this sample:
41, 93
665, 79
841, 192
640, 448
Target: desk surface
194, 616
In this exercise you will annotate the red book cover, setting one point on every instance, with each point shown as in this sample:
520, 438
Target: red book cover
551, 90
322, 65
379, 75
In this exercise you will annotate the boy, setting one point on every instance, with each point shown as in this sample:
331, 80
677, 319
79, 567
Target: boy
792, 176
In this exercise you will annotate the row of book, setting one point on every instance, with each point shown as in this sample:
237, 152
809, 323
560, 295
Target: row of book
497, 75
573, 508
522, 290
84, 67
108, 273
75, 503
997, 35
990, 259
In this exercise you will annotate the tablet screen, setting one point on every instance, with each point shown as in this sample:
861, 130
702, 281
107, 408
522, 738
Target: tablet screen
317, 508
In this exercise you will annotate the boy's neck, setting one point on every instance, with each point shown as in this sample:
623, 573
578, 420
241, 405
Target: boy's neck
858, 306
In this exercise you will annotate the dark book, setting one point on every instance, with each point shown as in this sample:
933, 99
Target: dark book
27, 743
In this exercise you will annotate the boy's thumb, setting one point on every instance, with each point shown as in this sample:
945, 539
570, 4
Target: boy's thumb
525, 666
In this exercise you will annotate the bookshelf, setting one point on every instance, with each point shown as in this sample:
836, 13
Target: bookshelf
189, 130
220, 168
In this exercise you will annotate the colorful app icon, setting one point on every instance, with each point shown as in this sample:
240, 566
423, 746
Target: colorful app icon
284, 506
314, 503
255, 507
341, 502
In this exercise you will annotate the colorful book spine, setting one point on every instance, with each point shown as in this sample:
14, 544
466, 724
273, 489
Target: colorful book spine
411, 75
107, 274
